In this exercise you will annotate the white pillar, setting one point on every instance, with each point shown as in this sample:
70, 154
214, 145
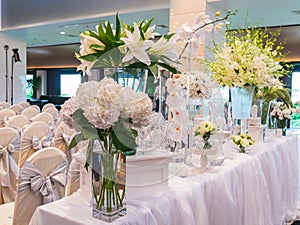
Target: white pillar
182, 12
43, 88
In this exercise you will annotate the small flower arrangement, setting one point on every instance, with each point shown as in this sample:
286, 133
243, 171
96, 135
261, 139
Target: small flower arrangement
281, 111
205, 129
198, 83
243, 141
248, 57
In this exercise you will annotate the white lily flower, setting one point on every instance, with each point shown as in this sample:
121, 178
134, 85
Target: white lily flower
164, 48
149, 33
137, 47
86, 42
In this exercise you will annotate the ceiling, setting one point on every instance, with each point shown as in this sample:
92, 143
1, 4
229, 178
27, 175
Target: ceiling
47, 40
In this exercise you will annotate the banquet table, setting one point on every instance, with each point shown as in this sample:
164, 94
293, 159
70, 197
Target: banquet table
259, 188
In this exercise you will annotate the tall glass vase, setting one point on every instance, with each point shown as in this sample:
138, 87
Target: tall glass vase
108, 184
241, 101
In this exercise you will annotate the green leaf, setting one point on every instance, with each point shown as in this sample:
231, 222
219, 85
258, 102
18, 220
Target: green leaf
168, 36
87, 129
118, 28
90, 57
147, 24
123, 138
168, 67
95, 46
109, 31
75, 140
154, 69
88, 154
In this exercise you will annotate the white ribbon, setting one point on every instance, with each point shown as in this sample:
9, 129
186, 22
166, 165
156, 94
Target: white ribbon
7, 163
38, 144
31, 178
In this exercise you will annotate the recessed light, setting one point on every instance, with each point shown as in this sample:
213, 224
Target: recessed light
62, 32
297, 12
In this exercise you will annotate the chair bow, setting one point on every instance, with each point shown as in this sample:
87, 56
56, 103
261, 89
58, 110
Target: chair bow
38, 144
6, 163
63, 137
31, 178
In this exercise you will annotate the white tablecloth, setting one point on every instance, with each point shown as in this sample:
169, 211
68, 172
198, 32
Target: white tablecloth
255, 189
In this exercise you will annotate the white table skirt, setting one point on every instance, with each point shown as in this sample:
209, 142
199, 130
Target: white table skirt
255, 189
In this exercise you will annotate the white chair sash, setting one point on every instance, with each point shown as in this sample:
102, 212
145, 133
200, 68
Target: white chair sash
16, 142
7, 163
36, 143
31, 178
63, 137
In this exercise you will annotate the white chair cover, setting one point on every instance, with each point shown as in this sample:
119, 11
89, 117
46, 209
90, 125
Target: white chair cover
9, 169
41, 180
62, 138
54, 112
4, 104
24, 105
48, 105
18, 122
78, 162
5, 114
30, 112
36, 136
44, 117
16, 108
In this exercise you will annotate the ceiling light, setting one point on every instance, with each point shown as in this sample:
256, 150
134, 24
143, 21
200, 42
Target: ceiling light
62, 32
297, 12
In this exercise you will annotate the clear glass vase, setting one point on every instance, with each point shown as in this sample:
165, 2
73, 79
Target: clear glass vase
108, 184
241, 102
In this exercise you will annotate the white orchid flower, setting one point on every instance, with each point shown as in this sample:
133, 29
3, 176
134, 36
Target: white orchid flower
137, 47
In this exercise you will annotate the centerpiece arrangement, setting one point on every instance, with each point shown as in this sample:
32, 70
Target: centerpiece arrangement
279, 115
242, 141
107, 115
248, 60
208, 150
126, 46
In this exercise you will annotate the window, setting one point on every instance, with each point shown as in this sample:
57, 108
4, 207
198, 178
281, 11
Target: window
69, 84
295, 87
29, 90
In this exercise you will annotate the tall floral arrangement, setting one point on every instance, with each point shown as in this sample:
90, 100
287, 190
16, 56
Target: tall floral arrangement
250, 57
107, 114
126, 46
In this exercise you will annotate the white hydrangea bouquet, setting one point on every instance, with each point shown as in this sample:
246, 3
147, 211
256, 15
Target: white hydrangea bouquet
106, 111
243, 141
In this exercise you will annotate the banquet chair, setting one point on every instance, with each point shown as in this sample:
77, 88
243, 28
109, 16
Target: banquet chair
48, 105
16, 108
30, 112
78, 177
4, 104
44, 117
17, 122
24, 105
62, 138
41, 180
54, 112
9, 169
36, 136
5, 114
